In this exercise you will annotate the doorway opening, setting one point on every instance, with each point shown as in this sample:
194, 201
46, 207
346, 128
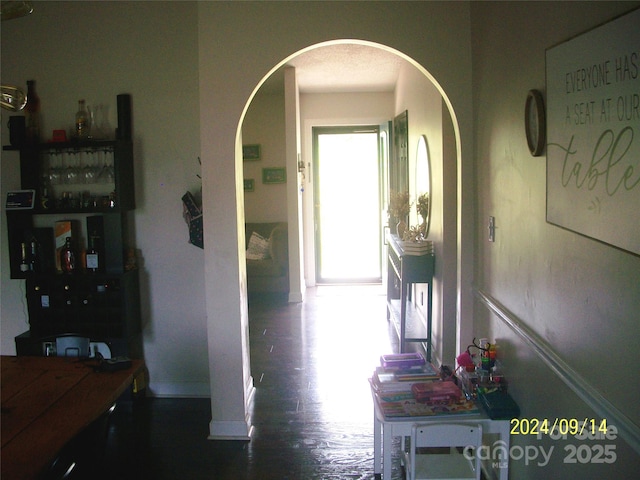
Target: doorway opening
347, 202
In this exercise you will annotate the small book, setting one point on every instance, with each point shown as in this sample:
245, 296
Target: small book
402, 360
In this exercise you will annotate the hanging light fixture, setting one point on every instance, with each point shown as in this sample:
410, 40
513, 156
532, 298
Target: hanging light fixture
15, 9
13, 98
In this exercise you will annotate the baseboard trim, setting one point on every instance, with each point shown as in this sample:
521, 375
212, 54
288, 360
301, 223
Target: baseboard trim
178, 390
230, 430
296, 297
586, 392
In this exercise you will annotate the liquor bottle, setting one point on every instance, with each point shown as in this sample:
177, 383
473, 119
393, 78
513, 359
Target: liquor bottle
34, 258
68, 257
92, 256
45, 201
24, 265
32, 113
82, 121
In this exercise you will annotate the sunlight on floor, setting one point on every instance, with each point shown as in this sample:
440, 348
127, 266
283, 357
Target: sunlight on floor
350, 337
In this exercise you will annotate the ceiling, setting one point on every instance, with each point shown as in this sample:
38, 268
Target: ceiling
341, 68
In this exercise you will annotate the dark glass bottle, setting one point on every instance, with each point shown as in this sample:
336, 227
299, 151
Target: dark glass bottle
32, 113
68, 257
24, 264
92, 256
34, 258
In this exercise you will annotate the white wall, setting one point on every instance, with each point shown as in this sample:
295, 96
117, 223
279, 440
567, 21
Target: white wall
95, 51
579, 296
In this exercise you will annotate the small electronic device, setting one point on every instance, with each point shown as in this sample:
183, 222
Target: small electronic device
21, 199
114, 364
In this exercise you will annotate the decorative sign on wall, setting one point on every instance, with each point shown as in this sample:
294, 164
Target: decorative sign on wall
593, 133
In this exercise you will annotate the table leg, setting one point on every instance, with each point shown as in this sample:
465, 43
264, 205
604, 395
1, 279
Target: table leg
377, 446
505, 436
386, 452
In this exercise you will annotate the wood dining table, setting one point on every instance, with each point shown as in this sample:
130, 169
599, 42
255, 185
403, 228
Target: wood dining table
46, 402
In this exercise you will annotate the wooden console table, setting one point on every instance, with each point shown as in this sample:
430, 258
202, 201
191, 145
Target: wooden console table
47, 401
404, 270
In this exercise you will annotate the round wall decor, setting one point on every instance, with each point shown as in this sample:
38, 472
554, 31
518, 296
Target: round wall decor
535, 123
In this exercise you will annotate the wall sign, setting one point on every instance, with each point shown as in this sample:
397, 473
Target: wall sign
593, 133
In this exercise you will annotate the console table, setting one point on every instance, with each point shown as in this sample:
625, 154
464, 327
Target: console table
404, 270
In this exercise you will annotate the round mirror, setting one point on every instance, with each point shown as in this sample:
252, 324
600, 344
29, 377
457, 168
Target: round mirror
423, 185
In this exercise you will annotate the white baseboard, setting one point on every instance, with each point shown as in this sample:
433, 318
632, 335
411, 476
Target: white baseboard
179, 389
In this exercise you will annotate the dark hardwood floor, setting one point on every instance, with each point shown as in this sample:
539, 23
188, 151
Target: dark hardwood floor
312, 413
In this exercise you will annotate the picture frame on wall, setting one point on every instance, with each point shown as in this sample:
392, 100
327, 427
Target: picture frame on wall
251, 153
274, 175
249, 184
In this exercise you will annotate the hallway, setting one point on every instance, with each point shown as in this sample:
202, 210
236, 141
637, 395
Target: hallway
312, 411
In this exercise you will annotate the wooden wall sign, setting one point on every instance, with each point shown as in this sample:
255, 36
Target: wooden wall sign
593, 133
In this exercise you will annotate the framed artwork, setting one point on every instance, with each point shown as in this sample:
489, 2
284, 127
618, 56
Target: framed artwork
249, 184
250, 152
593, 133
274, 175
399, 167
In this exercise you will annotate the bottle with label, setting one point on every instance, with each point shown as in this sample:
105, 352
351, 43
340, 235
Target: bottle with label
92, 256
82, 121
68, 257
32, 113
24, 264
484, 353
492, 356
34, 258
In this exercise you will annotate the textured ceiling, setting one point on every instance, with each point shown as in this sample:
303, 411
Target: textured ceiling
342, 68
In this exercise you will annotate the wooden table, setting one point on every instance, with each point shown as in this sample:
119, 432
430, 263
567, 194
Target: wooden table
47, 401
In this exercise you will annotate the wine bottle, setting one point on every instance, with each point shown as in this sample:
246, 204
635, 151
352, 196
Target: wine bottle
24, 265
82, 121
32, 113
34, 259
92, 256
68, 257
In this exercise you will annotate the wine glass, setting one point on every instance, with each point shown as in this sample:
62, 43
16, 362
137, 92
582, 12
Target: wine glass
89, 169
107, 174
109, 164
55, 160
71, 172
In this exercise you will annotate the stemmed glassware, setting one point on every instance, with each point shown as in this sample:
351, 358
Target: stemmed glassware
55, 162
72, 167
106, 174
91, 166
90, 170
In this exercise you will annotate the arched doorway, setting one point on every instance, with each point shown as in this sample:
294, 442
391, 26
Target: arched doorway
261, 39
430, 117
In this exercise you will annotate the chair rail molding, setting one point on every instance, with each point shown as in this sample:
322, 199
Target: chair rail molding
627, 429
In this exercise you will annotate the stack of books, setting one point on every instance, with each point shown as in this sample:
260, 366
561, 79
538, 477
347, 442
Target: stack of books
418, 248
393, 379
401, 387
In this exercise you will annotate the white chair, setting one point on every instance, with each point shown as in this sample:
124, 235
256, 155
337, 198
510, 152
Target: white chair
452, 465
